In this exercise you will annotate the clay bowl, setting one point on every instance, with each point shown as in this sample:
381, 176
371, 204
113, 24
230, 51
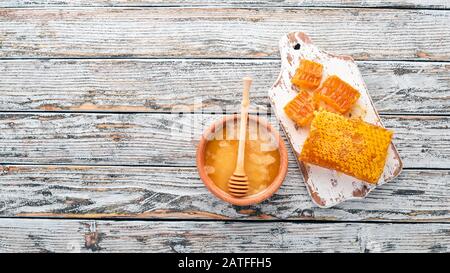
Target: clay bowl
251, 199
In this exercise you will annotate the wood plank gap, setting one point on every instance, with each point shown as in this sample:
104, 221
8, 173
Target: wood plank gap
414, 114
268, 114
187, 58
230, 220
243, 6
18, 164
99, 165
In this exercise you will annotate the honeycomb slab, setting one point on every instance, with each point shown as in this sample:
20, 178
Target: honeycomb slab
351, 146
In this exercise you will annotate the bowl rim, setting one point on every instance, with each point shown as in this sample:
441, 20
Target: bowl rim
218, 192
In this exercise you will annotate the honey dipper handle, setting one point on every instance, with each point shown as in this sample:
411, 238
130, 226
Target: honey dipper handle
243, 126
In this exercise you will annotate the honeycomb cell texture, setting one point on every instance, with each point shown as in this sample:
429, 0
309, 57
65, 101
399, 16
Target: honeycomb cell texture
301, 108
308, 75
337, 94
351, 146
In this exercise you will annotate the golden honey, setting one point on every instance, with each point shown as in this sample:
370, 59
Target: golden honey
262, 157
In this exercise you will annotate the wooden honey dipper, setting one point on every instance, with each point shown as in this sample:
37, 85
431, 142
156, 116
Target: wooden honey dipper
238, 182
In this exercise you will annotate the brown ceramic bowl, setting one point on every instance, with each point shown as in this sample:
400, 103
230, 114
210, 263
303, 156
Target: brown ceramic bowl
251, 199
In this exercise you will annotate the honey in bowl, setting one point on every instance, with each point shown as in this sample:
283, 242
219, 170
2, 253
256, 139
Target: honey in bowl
262, 156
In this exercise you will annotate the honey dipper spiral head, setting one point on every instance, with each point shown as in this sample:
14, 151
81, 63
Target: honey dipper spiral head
238, 185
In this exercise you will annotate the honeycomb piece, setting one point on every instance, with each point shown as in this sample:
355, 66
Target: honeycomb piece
351, 146
308, 75
337, 94
301, 108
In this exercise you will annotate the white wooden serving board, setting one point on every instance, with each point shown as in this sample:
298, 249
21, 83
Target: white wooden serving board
326, 187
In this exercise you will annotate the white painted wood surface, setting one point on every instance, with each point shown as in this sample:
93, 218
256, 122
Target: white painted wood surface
40, 235
161, 139
142, 60
146, 85
169, 192
221, 32
438, 4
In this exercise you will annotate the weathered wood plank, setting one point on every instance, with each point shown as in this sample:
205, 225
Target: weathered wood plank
277, 3
41, 235
170, 139
221, 32
161, 85
154, 192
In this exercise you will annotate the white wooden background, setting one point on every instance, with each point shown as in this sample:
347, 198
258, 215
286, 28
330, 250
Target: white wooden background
88, 162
